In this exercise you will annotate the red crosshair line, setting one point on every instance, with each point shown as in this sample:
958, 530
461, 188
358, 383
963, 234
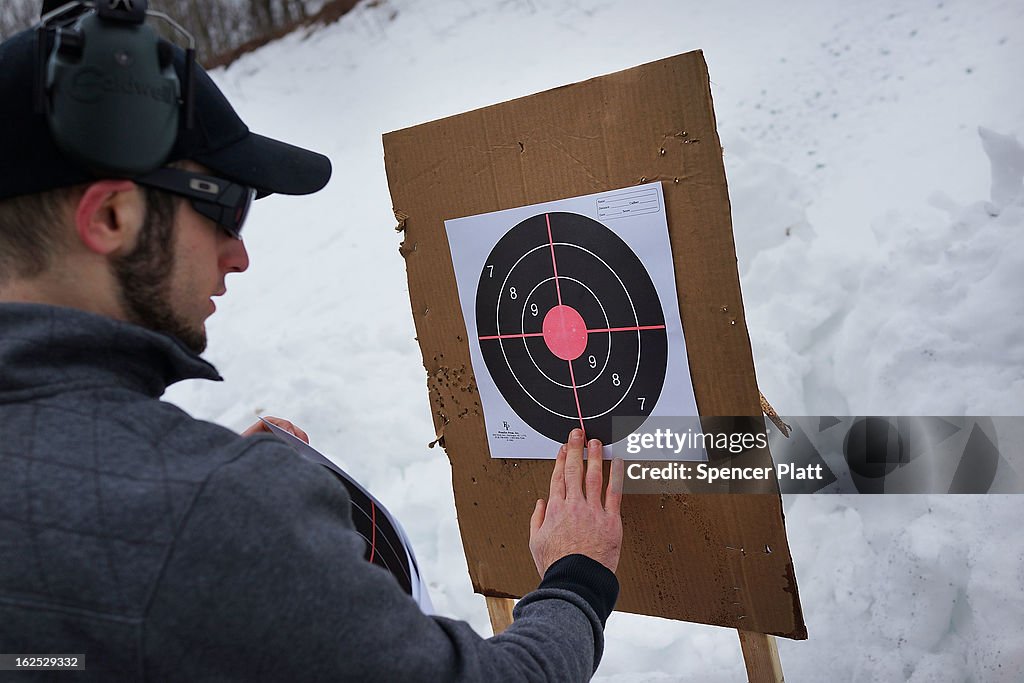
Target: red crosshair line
589, 331
558, 290
513, 336
554, 266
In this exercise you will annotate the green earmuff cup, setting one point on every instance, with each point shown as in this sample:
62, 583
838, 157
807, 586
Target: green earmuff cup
113, 96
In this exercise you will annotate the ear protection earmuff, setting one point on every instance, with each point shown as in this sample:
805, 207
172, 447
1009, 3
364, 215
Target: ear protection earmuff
107, 85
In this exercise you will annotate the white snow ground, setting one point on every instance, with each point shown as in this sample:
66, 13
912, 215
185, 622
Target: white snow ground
882, 260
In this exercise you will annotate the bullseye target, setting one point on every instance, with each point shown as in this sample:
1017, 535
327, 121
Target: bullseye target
571, 327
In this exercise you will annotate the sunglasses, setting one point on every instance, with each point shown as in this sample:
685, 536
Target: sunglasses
222, 201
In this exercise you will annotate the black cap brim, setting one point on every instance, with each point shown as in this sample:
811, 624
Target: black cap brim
269, 165
32, 161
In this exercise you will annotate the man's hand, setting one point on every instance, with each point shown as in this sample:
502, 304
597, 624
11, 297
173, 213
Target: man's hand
287, 426
573, 520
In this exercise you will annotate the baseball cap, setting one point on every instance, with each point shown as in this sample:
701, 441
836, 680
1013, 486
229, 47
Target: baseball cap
31, 162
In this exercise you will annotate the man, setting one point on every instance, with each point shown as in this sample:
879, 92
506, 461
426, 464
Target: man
163, 547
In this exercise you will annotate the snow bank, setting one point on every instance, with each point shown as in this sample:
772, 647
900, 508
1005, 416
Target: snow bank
880, 250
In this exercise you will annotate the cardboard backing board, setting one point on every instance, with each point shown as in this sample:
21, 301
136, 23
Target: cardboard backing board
712, 558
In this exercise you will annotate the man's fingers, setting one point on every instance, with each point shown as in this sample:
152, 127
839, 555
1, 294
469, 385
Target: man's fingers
290, 427
538, 517
286, 425
574, 465
558, 476
594, 472
613, 496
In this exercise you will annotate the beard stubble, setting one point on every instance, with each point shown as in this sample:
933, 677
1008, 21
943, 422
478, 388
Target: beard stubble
144, 275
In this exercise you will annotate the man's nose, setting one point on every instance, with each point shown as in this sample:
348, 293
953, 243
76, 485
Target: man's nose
234, 256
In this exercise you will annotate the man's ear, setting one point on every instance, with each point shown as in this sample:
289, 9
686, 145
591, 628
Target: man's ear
109, 215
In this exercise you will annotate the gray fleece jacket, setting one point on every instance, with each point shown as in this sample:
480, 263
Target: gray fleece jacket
167, 548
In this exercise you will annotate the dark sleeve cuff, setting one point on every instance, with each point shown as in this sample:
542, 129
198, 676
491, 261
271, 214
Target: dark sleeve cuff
588, 578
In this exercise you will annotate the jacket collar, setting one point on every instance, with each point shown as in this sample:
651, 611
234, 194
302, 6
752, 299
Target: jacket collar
49, 347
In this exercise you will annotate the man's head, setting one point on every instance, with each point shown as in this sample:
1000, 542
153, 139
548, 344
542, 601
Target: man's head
151, 247
177, 262
123, 250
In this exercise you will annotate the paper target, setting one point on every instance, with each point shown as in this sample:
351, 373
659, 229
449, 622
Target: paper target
387, 544
572, 316
571, 327
384, 545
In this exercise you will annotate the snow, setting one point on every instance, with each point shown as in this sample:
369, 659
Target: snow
875, 173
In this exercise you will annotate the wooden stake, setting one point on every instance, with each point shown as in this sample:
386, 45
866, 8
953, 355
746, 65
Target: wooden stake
761, 656
500, 611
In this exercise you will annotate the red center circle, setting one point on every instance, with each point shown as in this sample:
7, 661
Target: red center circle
565, 333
